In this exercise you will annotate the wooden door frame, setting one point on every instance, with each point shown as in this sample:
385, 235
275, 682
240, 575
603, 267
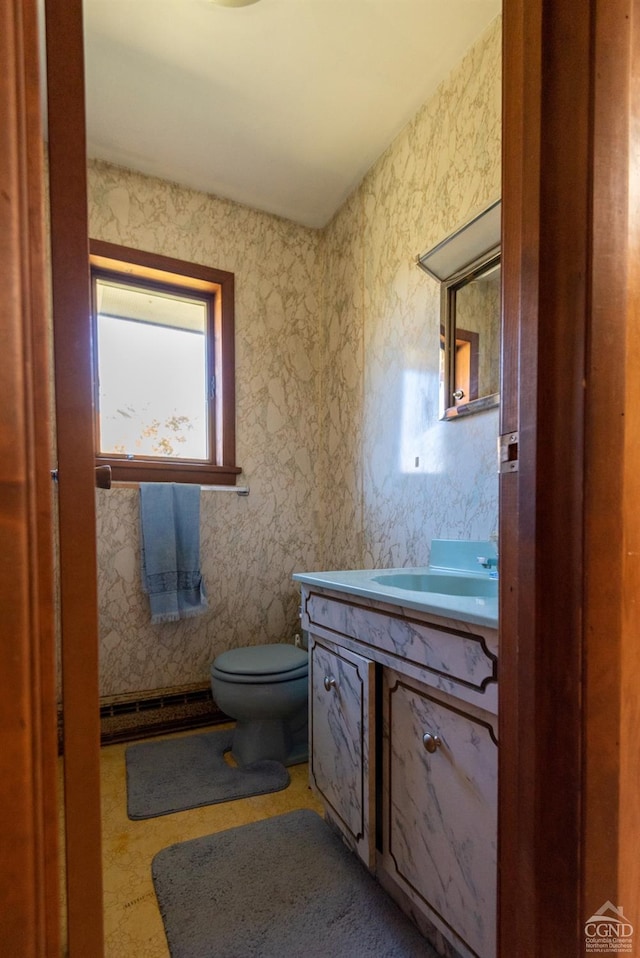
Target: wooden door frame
29, 907
71, 306
570, 544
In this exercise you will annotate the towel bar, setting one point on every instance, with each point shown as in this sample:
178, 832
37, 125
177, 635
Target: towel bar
239, 490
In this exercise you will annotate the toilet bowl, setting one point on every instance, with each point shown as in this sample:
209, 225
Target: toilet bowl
265, 688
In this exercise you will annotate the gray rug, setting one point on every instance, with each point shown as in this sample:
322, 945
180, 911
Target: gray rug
180, 773
280, 888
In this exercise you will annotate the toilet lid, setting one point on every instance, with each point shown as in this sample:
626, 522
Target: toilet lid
279, 662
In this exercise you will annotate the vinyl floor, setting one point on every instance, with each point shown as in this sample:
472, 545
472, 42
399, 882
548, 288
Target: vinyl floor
132, 924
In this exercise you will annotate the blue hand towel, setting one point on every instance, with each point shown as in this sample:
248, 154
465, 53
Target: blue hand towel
170, 546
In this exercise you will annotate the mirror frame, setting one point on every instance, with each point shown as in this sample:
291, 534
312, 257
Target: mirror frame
468, 251
448, 290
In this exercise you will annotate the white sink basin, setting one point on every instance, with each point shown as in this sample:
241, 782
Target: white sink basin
440, 583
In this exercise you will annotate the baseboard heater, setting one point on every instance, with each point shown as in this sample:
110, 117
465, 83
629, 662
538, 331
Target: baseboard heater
123, 719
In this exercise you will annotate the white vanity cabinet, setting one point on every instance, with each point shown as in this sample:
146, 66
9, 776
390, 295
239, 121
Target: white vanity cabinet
418, 692
440, 768
342, 742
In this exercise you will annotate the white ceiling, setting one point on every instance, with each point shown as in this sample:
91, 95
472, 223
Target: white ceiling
283, 105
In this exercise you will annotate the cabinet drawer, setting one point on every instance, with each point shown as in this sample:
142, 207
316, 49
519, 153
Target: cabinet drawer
342, 753
449, 655
440, 810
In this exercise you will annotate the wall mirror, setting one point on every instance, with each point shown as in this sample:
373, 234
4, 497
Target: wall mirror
470, 339
467, 265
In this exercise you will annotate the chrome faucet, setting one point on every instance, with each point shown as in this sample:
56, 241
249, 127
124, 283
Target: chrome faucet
491, 562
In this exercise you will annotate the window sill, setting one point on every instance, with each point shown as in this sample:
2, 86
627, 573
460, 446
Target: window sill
140, 470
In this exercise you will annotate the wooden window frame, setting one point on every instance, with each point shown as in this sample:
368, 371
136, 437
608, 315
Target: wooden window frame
108, 260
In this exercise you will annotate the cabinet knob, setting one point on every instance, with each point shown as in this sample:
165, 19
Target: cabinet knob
431, 742
329, 682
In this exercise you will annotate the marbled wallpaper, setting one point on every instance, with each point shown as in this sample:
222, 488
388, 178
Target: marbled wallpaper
395, 476
342, 389
337, 387
249, 546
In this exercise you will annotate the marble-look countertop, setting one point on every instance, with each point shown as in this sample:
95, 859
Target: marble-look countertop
475, 609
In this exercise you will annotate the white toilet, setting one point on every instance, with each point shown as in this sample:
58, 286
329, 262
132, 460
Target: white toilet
265, 688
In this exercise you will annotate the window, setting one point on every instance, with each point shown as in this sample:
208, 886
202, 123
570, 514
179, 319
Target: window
163, 367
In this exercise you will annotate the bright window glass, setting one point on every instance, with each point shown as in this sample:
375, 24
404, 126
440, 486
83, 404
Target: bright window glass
152, 369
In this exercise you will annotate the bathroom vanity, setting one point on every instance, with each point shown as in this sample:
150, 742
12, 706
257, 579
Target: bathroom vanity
403, 725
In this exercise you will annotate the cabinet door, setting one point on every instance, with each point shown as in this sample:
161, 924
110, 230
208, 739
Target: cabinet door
342, 750
440, 810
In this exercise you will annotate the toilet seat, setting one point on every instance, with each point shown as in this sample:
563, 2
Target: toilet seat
261, 664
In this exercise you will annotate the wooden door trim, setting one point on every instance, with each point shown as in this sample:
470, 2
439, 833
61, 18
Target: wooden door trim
604, 484
546, 170
520, 228
29, 915
76, 497
629, 862
612, 521
570, 537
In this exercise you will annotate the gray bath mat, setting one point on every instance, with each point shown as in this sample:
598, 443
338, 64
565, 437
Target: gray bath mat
180, 773
281, 888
